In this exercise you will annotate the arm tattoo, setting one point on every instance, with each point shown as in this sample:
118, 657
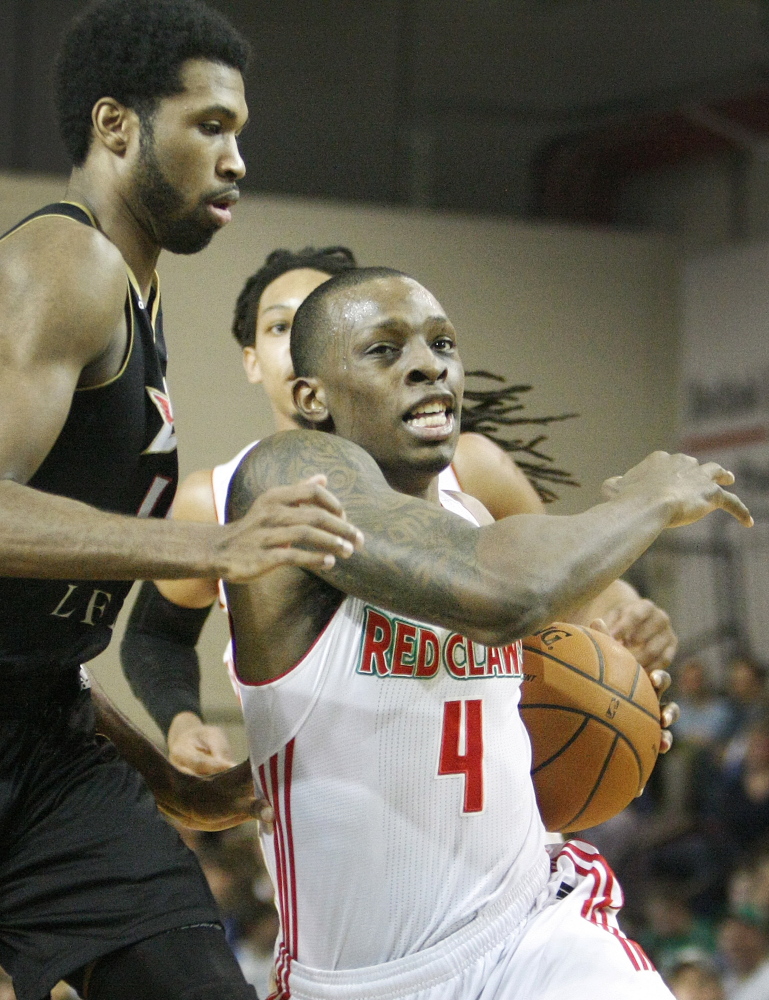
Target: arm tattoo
418, 559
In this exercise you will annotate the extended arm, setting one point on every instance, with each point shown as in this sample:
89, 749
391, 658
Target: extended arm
488, 473
62, 295
200, 803
495, 583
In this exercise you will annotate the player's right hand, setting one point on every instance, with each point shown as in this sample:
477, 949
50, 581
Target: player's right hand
693, 490
299, 525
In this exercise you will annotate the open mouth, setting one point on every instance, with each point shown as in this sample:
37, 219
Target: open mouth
221, 207
432, 419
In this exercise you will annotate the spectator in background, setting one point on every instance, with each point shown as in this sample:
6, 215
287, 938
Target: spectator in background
672, 929
743, 807
746, 693
695, 978
743, 943
706, 717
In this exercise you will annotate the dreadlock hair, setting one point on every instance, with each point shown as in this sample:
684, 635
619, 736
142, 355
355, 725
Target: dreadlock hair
488, 411
133, 51
329, 260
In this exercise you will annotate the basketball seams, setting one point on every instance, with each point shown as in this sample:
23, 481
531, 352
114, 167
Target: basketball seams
580, 729
587, 716
570, 666
599, 655
607, 760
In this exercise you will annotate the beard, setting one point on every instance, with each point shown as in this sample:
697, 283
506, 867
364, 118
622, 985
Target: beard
176, 230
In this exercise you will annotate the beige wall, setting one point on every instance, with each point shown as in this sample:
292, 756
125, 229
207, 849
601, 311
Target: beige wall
587, 316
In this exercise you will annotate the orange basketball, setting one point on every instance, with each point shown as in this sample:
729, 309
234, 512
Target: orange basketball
593, 719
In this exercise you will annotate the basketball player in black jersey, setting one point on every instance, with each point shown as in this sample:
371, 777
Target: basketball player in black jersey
94, 886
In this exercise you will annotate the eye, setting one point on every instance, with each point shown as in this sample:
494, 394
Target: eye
382, 349
211, 128
443, 343
278, 328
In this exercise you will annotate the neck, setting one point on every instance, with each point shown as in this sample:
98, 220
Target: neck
424, 486
118, 223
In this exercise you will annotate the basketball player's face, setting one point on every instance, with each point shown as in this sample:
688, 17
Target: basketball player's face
269, 361
395, 379
188, 166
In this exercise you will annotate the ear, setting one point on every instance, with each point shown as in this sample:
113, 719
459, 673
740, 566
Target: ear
310, 400
252, 366
114, 125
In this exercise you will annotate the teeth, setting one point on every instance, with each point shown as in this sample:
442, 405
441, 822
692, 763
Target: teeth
429, 415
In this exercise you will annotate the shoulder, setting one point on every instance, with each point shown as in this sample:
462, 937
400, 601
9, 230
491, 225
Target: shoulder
488, 473
194, 499
63, 277
472, 506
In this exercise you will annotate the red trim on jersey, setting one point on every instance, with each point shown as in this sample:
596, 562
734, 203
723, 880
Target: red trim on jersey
279, 796
294, 666
605, 899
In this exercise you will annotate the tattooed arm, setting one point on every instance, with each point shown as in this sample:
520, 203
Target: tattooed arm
494, 583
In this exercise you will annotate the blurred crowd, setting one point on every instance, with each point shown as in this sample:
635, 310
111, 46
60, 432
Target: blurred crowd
692, 853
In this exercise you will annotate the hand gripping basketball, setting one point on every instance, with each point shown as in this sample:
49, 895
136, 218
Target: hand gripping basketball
693, 489
594, 722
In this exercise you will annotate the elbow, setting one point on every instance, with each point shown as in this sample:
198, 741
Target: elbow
515, 616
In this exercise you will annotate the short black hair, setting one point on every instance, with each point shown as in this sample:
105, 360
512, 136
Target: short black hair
329, 260
312, 319
133, 50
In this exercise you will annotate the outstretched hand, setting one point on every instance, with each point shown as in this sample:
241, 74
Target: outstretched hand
694, 490
299, 525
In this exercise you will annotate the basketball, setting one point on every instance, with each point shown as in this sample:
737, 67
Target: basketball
593, 720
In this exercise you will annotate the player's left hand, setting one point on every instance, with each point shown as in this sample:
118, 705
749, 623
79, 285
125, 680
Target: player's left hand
660, 679
217, 802
645, 630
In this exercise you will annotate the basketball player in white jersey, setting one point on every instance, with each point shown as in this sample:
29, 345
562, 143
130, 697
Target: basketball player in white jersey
158, 652
381, 696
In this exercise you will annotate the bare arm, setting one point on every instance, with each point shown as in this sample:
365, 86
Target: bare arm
487, 472
62, 294
200, 803
495, 583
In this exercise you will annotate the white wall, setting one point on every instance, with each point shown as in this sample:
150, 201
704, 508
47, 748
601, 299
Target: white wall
587, 316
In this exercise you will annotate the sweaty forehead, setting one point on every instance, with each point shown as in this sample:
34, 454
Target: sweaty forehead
382, 300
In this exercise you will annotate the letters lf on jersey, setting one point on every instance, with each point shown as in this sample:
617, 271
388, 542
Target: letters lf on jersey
393, 647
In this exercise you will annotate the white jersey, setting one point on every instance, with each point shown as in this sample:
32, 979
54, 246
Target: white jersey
397, 765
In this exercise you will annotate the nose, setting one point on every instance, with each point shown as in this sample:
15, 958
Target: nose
231, 165
425, 365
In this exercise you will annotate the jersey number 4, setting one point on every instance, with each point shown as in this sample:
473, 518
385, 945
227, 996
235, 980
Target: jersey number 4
462, 748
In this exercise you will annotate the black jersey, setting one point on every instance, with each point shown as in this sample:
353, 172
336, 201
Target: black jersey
117, 452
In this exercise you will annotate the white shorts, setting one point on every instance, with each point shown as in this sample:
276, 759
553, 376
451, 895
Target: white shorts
569, 947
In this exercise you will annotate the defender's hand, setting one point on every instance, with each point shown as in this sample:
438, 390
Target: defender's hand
694, 490
299, 525
645, 630
196, 748
216, 802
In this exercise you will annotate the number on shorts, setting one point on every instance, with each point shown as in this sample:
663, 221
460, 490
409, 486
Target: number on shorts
462, 748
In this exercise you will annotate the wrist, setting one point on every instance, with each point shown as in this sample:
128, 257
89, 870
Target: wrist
182, 723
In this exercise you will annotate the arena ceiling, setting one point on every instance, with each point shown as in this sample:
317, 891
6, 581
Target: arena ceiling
522, 107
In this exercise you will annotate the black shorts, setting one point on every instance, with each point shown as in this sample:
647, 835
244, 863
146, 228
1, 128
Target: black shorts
87, 863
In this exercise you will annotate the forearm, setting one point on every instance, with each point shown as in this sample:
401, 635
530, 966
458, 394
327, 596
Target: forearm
501, 582
159, 658
134, 747
52, 537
